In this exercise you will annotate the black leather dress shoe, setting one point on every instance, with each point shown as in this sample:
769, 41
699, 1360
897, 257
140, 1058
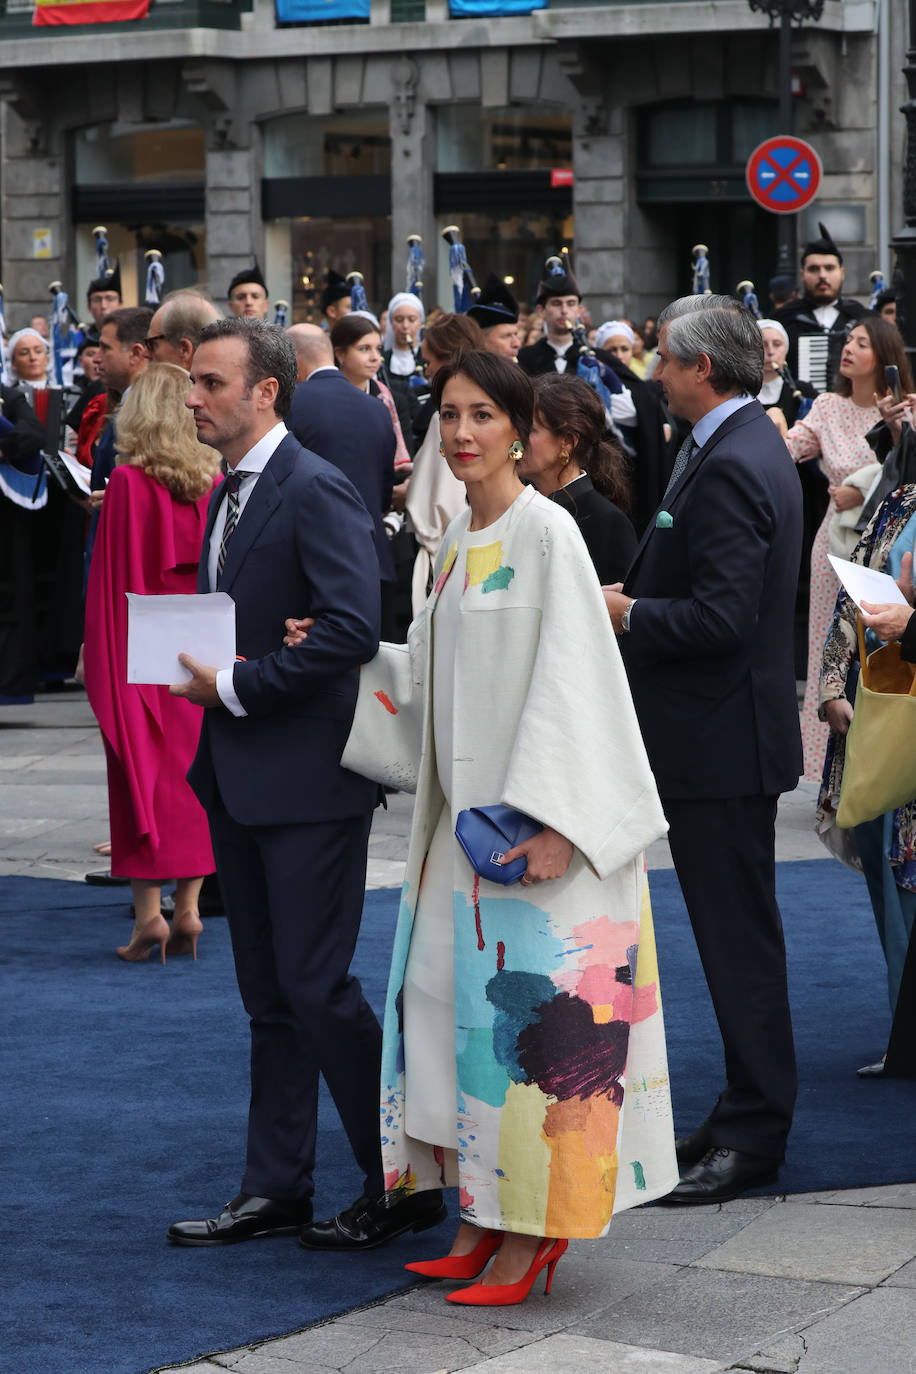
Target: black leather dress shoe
244, 1218
722, 1174
375, 1221
690, 1149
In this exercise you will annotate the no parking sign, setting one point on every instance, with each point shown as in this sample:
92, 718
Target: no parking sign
783, 174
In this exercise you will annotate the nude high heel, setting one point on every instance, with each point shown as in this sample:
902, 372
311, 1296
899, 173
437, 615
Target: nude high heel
155, 932
185, 930
508, 1294
461, 1266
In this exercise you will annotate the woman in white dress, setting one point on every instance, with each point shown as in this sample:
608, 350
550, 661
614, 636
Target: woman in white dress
524, 1056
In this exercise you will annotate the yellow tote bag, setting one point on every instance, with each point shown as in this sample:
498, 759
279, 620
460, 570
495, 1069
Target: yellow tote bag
880, 769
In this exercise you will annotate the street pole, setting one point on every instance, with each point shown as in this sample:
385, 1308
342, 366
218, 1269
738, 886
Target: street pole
901, 1049
904, 242
787, 11
786, 122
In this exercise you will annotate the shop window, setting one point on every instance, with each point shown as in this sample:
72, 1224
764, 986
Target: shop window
705, 133
341, 145
408, 11
300, 250
469, 139
106, 154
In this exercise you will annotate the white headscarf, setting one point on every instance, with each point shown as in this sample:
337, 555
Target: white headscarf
610, 329
774, 324
11, 346
402, 298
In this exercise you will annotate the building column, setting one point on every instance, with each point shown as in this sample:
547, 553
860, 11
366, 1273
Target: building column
230, 209
33, 198
598, 193
413, 156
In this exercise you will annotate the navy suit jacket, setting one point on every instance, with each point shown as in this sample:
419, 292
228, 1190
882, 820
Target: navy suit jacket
710, 648
300, 549
353, 431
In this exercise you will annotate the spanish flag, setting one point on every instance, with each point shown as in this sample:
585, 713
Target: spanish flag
88, 11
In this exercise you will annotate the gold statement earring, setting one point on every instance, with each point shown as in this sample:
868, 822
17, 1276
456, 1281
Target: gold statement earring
441, 448
565, 455
517, 451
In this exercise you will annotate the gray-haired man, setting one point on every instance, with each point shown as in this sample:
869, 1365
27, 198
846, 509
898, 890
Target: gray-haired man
706, 617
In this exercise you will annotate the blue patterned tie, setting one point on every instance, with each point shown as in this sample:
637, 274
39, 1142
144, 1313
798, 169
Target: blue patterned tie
680, 463
233, 482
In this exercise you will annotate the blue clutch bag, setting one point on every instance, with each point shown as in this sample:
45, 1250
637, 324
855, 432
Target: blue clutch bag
486, 833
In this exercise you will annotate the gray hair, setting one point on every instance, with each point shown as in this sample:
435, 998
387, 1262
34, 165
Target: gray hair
184, 315
270, 354
725, 331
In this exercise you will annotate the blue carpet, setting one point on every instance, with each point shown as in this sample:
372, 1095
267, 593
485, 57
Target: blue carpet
126, 1095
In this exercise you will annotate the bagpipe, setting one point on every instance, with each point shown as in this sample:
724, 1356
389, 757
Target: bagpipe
464, 286
418, 379
804, 402
358, 299
65, 333
155, 278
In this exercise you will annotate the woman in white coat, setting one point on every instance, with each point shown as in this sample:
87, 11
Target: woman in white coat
524, 1056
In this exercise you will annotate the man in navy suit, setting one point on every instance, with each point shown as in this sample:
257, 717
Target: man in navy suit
352, 430
287, 535
705, 616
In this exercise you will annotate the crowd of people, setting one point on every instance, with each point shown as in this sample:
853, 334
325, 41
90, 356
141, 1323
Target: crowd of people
545, 578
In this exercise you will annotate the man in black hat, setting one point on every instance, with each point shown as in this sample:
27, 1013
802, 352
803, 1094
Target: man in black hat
248, 294
818, 321
496, 311
104, 295
637, 407
335, 298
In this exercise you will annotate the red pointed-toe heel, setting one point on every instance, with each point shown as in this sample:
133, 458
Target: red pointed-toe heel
509, 1294
155, 932
461, 1266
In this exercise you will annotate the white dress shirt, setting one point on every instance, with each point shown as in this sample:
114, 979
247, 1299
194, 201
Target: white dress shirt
249, 469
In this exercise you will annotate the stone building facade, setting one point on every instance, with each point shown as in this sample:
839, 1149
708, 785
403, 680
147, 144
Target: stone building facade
620, 130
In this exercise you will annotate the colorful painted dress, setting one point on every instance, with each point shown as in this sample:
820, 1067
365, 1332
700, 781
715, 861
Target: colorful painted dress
835, 427
538, 1007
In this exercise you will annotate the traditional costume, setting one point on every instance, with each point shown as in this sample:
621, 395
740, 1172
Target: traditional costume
641, 424
524, 1054
494, 305
817, 333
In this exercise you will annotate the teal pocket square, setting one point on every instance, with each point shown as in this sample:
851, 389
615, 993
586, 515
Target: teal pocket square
663, 521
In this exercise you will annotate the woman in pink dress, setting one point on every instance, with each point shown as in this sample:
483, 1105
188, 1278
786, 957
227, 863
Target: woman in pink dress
149, 541
834, 430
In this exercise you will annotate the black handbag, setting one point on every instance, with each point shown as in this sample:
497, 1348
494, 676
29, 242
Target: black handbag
486, 833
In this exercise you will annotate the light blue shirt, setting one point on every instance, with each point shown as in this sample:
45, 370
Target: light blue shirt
704, 429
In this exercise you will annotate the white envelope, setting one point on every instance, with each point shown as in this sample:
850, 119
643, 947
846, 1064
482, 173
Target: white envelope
159, 628
867, 584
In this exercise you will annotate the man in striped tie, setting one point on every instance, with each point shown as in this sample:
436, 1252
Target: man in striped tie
287, 535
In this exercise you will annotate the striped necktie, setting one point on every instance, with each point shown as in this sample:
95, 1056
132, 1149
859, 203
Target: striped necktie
233, 482
680, 463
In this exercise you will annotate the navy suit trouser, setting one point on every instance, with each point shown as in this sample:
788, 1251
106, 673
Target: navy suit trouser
294, 898
724, 856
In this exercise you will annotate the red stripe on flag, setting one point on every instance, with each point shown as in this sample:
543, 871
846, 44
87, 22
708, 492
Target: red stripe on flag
94, 12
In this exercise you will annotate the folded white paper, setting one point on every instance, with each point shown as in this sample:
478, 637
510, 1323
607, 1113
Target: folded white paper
76, 470
867, 584
159, 628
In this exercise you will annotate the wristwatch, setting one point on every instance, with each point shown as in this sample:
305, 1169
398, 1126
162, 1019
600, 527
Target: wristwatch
625, 618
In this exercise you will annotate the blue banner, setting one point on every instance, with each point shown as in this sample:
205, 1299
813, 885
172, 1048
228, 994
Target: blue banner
316, 11
496, 7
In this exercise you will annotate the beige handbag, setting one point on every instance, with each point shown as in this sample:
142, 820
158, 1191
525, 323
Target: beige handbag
879, 773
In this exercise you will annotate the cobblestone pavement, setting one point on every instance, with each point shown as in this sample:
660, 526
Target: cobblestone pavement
810, 1284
